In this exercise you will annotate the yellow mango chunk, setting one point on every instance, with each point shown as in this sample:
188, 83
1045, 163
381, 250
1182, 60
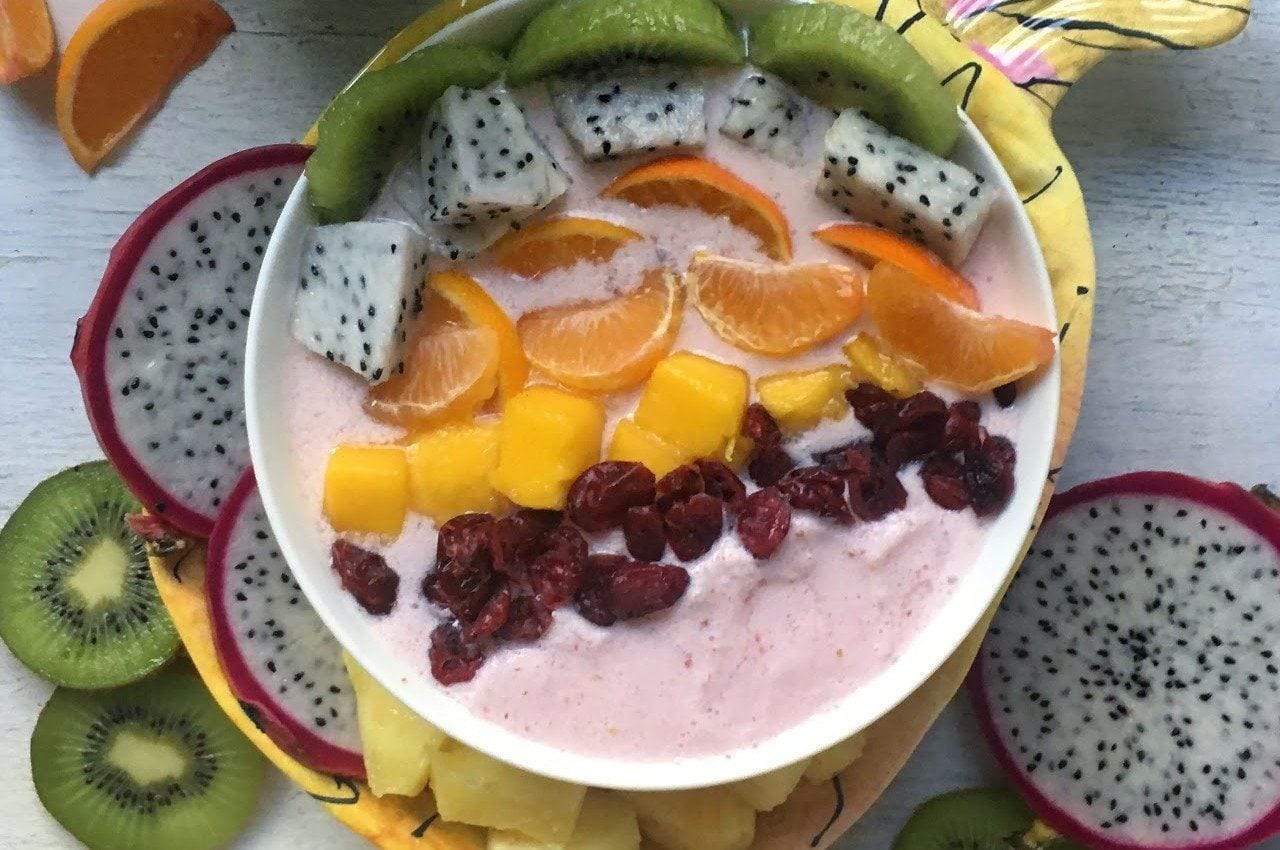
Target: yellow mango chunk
473, 788
694, 402
738, 452
366, 489
547, 437
769, 790
799, 400
397, 743
703, 819
835, 759
449, 471
631, 442
871, 362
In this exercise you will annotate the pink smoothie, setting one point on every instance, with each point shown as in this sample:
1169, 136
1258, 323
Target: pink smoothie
754, 647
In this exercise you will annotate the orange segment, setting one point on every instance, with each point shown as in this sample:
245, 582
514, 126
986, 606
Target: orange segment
451, 371
962, 347
601, 346
560, 242
872, 245
477, 308
691, 181
774, 309
121, 61
26, 38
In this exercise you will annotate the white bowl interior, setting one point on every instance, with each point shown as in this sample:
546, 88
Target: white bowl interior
293, 521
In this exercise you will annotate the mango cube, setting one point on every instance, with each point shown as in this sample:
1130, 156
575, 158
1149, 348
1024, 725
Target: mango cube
473, 788
871, 362
397, 743
799, 400
703, 819
694, 402
547, 437
770, 790
835, 759
631, 442
449, 471
607, 821
366, 489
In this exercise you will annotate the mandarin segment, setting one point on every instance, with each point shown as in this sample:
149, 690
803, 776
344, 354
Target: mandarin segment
871, 245
559, 243
476, 307
26, 38
451, 371
972, 351
691, 181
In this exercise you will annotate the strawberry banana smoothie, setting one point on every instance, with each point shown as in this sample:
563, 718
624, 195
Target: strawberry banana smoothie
689, 430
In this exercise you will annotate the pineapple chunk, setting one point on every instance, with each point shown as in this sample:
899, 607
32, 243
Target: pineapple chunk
508, 840
547, 437
828, 763
449, 471
703, 819
631, 442
799, 400
872, 363
695, 402
366, 489
606, 822
397, 743
473, 788
770, 790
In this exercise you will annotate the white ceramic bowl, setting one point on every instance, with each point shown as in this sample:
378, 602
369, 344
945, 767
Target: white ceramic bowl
293, 521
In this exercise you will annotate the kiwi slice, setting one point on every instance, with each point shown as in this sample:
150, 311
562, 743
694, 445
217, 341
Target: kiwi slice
573, 33
843, 58
368, 124
77, 602
152, 765
979, 819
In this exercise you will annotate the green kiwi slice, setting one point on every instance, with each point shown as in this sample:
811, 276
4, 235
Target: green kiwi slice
366, 125
843, 58
572, 33
152, 765
77, 602
979, 819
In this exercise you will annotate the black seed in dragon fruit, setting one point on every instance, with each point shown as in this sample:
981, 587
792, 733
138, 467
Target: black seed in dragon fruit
1130, 681
482, 162
359, 290
876, 177
614, 112
768, 115
281, 662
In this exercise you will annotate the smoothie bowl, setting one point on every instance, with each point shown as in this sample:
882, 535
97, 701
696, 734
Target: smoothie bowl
651, 424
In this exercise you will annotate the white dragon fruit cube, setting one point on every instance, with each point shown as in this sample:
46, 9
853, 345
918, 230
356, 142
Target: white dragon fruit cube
876, 177
481, 161
614, 112
359, 290
767, 115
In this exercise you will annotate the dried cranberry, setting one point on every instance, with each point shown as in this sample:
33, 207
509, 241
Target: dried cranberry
638, 589
592, 600
763, 522
366, 576
851, 458
721, 482
678, 485
461, 587
817, 490
876, 494
759, 426
599, 497
521, 537
454, 659
768, 465
528, 620
962, 431
643, 531
693, 526
492, 616
873, 407
988, 473
944, 482
556, 573
913, 444
1006, 394
467, 539
966, 408
921, 410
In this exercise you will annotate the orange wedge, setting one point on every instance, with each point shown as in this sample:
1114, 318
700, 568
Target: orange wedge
962, 347
26, 38
120, 63
559, 243
602, 346
451, 370
691, 181
478, 309
872, 245
774, 309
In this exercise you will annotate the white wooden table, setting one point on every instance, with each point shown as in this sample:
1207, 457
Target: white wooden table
1180, 160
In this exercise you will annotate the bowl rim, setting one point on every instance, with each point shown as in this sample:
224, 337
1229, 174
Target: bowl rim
959, 612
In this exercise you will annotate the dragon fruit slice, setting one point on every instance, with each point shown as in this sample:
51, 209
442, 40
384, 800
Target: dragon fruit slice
885, 180
359, 290
160, 353
613, 112
768, 115
482, 162
1130, 682
282, 663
